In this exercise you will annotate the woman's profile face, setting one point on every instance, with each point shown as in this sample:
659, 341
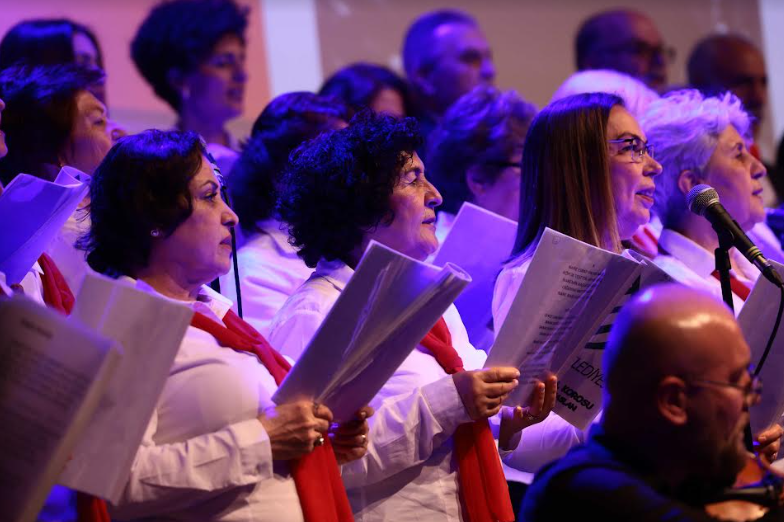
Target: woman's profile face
389, 101
631, 176
735, 174
200, 248
90, 138
413, 201
216, 89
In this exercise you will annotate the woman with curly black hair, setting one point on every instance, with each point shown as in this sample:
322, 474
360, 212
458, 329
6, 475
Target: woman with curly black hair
432, 448
192, 53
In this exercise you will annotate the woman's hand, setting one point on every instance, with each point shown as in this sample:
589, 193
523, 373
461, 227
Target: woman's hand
483, 391
538, 407
296, 428
350, 439
769, 442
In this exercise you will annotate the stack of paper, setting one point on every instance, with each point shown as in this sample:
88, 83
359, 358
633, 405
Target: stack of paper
33, 211
388, 306
756, 321
569, 291
150, 329
479, 242
52, 376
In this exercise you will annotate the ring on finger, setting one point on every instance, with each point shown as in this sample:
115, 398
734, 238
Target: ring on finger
528, 416
319, 441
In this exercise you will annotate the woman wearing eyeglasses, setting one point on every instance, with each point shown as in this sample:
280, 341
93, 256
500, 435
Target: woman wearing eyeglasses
587, 173
703, 141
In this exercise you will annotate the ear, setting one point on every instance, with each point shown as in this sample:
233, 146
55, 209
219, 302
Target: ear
671, 400
475, 185
687, 180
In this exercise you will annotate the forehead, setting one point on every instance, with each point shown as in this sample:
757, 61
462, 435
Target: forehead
204, 174
742, 59
229, 43
622, 122
729, 137
631, 26
414, 163
86, 102
83, 45
455, 37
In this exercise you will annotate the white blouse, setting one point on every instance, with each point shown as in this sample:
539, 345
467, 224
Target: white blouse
409, 472
205, 455
270, 271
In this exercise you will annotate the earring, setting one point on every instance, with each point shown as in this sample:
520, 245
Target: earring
155, 232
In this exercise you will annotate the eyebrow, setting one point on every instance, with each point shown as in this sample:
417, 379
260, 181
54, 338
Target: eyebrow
210, 182
629, 135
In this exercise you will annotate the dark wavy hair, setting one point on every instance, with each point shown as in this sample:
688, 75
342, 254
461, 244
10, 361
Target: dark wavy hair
357, 85
141, 185
285, 123
44, 41
40, 109
180, 35
480, 132
338, 186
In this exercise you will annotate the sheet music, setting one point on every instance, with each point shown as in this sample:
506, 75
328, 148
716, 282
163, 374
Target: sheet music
37, 209
52, 376
388, 306
150, 329
479, 242
568, 291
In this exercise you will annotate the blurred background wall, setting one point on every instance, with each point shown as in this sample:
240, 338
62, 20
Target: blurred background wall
293, 44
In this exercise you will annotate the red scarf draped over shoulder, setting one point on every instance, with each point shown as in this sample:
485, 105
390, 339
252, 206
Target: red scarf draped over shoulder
483, 486
316, 475
58, 295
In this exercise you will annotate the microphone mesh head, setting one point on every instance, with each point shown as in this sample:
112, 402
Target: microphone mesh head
700, 198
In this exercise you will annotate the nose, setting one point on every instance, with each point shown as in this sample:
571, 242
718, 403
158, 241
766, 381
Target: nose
229, 218
488, 70
758, 170
116, 131
433, 197
652, 167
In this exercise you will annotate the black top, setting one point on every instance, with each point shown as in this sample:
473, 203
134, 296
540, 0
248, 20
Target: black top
604, 480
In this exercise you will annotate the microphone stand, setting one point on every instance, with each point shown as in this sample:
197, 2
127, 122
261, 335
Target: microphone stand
723, 266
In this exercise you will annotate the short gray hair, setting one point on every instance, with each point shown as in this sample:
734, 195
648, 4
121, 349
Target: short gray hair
684, 129
636, 95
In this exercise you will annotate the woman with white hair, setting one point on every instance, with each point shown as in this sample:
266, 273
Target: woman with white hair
703, 140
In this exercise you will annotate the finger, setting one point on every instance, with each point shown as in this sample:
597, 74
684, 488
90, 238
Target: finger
499, 374
352, 441
536, 399
351, 429
321, 425
551, 391
365, 413
495, 390
322, 412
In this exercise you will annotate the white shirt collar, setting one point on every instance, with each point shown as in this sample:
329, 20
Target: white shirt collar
699, 260
208, 300
336, 272
277, 231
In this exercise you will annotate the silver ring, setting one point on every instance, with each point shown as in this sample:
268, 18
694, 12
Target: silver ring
364, 439
319, 442
529, 417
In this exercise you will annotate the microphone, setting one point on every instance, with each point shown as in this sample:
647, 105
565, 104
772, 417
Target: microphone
704, 201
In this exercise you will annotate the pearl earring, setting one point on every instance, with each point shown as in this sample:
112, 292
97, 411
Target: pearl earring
155, 232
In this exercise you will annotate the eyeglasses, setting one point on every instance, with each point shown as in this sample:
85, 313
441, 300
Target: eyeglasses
636, 147
751, 391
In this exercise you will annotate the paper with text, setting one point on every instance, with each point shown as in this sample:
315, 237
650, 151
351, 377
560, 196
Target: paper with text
756, 320
150, 329
479, 242
388, 306
569, 290
52, 376
35, 210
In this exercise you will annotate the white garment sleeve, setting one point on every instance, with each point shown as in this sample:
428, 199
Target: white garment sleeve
405, 430
542, 443
170, 477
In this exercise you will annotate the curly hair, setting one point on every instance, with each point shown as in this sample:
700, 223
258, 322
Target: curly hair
39, 115
180, 35
684, 129
285, 123
358, 84
141, 185
338, 186
481, 131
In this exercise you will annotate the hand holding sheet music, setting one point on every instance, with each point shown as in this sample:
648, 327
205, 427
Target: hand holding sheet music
388, 306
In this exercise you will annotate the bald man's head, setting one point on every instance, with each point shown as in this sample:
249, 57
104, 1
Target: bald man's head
676, 365
627, 41
728, 62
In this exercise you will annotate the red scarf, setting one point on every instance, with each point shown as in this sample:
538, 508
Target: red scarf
316, 475
738, 287
57, 295
482, 483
